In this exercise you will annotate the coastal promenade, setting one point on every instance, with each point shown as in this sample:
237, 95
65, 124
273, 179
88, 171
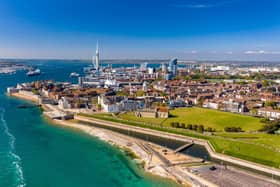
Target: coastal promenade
206, 144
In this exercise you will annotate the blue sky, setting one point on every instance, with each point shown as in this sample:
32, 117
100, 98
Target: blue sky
188, 29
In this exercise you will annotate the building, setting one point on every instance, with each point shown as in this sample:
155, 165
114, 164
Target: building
145, 86
211, 105
11, 90
143, 67
163, 68
177, 103
97, 57
269, 113
172, 68
128, 105
46, 100
63, 103
234, 106
161, 112
113, 104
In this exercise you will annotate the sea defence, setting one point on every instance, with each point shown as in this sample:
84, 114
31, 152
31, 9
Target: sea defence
217, 156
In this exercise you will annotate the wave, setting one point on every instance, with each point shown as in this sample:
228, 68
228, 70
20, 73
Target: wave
15, 159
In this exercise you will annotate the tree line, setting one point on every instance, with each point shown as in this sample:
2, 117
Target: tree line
195, 127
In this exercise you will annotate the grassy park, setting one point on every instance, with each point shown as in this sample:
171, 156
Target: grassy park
213, 118
250, 145
209, 118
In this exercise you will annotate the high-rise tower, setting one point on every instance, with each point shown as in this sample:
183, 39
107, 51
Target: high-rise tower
97, 57
172, 68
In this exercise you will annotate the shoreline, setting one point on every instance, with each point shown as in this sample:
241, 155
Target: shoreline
177, 174
148, 154
129, 145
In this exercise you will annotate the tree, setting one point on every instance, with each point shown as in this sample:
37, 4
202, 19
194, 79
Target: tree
190, 126
233, 129
200, 128
270, 126
254, 111
265, 83
122, 93
209, 129
183, 125
272, 104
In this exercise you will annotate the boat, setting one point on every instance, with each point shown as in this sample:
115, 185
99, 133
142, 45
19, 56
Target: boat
74, 74
33, 72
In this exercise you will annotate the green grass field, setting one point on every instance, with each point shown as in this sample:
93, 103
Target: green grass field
131, 117
248, 150
213, 118
256, 147
209, 118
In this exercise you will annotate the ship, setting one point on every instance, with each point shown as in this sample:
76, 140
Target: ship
33, 72
74, 74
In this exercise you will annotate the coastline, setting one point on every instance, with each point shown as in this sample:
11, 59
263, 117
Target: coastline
151, 163
146, 154
156, 166
125, 143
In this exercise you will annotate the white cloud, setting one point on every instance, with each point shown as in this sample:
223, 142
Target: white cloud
262, 52
191, 52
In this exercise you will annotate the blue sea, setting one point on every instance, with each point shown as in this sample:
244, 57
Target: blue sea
36, 153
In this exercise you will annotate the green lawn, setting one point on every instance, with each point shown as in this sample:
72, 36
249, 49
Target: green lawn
265, 140
131, 117
213, 118
248, 150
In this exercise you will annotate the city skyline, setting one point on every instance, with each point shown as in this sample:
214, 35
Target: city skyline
189, 30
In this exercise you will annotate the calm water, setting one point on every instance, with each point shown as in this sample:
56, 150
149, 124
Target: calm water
35, 153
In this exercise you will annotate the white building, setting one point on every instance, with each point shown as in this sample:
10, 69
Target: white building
11, 90
63, 103
269, 113
114, 104
107, 106
211, 105
220, 68
97, 57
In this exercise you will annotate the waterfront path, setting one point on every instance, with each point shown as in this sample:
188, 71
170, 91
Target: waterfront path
206, 144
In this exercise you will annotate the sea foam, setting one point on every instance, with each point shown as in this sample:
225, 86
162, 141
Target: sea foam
15, 159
